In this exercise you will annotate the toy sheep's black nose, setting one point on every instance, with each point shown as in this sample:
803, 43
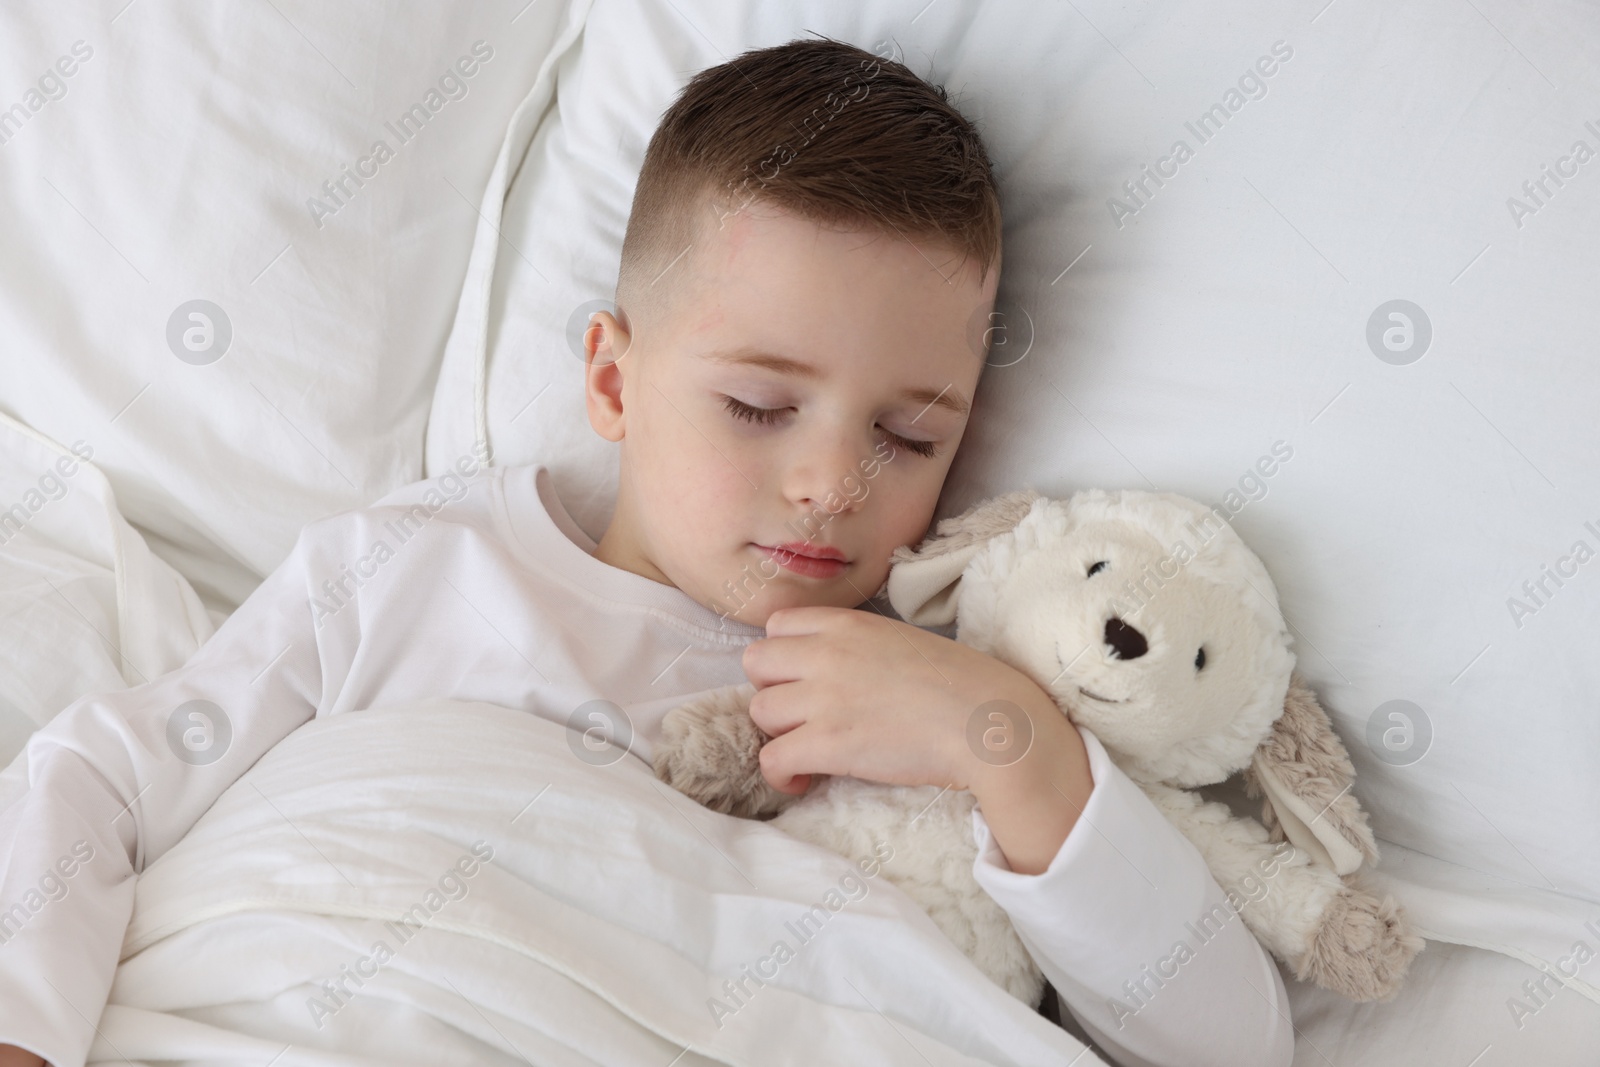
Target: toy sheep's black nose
1125, 641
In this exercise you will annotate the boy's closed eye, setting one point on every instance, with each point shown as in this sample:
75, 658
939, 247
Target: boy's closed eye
775, 416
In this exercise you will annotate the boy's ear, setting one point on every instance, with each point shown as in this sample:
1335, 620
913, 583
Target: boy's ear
925, 583
605, 342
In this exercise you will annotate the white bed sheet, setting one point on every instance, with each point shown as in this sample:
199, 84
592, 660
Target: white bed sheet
1455, 1010
85, 606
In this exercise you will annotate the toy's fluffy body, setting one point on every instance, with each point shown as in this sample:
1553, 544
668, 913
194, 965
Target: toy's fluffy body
711, 750
1153, 626
932, 832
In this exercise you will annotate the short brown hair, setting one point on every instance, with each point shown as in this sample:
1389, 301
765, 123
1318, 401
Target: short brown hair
824, 130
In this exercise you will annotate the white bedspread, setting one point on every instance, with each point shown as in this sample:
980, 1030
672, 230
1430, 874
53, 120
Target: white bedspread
606, 921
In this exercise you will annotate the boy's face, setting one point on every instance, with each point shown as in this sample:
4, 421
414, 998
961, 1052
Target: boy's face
777, 392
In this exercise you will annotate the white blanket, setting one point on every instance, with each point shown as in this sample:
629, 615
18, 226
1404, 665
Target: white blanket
562, 912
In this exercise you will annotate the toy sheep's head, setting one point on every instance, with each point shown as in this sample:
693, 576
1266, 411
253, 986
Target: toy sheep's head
1143, 614
1154, 627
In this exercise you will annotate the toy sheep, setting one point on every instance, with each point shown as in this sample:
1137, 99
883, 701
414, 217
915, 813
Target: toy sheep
1152, 626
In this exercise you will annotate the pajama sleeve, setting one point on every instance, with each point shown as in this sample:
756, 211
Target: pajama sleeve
115, 780
1105, 922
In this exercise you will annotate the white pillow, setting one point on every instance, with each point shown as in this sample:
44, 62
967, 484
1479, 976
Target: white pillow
1226, 334
154, 154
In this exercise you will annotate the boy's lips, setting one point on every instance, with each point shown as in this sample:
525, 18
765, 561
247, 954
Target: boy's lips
807, 560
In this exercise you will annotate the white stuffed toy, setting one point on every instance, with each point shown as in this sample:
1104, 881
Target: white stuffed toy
1152, 626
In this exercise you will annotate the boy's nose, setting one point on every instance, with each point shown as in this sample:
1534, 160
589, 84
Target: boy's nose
1125, 641
835, 499
829, 481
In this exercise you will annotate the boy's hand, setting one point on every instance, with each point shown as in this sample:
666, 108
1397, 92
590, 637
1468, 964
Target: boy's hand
855, 693
12, 1056
848, 692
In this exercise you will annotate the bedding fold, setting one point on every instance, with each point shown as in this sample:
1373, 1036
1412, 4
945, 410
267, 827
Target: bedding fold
85, 606
455, 874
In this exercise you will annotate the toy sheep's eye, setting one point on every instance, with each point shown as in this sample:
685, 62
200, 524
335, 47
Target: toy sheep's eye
1200, 658
1096, 568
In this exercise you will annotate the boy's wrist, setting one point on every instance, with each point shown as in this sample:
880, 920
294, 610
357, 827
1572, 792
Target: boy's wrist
1032, 802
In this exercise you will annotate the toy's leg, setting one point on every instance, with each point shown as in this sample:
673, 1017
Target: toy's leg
1364, 946
1330, 932
710, 751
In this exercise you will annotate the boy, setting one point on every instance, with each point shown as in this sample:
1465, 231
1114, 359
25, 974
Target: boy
789, 373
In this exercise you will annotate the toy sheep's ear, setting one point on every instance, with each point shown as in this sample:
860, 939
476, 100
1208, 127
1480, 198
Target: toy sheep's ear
1305, 775
924, 583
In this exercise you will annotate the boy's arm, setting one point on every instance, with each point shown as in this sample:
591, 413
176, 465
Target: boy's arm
115, 780
848, 692
1114, 921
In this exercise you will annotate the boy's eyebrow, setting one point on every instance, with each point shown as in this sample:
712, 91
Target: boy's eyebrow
751, 357
945, 398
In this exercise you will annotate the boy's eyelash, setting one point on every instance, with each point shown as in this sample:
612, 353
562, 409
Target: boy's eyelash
766, 416
749, 412
926, 449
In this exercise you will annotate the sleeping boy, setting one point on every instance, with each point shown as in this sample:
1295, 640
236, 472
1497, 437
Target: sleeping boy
789, 371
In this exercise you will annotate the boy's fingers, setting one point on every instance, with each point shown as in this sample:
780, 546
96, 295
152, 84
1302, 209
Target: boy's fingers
781, 759
810, 619
771, 661
796, 786
777, 709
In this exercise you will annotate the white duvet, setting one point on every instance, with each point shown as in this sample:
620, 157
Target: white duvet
449, 883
